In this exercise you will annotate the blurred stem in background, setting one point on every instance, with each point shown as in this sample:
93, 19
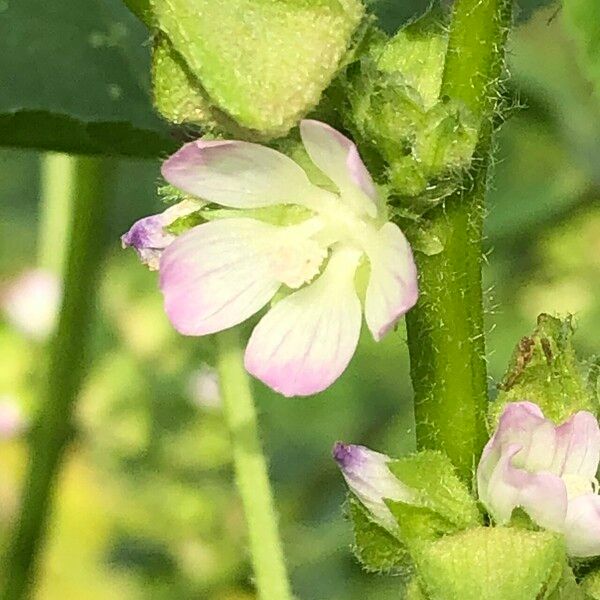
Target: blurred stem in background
80, 184
251, 470
445, 331
57, 180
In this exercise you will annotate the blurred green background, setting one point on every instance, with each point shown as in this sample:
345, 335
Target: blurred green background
146, 506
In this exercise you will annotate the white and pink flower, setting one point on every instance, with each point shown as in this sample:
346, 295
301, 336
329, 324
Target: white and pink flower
220, 273
548, 471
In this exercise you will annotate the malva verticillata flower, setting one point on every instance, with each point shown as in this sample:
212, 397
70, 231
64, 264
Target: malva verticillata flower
548, 471
220, 273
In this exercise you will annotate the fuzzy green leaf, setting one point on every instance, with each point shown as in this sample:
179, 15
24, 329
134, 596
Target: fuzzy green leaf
75, 78
263, 62
544, 369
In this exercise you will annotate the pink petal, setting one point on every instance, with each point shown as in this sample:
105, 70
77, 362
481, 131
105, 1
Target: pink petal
516, 426
393, 288
305, 342
217, 275
542, 495
582, 526
578, 446
237, 174
338, 157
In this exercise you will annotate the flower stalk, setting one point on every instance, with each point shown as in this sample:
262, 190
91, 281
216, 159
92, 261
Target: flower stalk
83, 185
251, 470
446, 329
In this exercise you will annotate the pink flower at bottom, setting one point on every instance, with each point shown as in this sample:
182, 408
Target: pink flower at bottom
549, 471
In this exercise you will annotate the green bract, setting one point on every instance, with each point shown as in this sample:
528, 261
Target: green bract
396, 109
375, 547
544, 369
263, 63
495, 563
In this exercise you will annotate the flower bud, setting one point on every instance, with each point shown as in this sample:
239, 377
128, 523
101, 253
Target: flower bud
370, 480
149, 236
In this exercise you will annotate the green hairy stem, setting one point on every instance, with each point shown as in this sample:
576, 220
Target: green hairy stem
81, 183
251, 471
445, 331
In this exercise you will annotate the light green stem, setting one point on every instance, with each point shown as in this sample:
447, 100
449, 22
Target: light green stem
57, 180
251, 471
445, 330
83, 184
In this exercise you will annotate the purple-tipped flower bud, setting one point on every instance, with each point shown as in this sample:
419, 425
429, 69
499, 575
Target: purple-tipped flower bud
367, 474
148, 236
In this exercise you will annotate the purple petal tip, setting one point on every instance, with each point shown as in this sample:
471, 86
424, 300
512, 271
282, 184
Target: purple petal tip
345, 454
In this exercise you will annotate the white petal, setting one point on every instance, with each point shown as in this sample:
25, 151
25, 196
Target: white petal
305, 342
237, 174
582, 526
392, 289
338, 157
217, 275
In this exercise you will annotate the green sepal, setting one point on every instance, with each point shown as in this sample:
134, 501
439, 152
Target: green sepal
545, 369
437, 488
590, 585
418, 525
395, 112
414, 590
263, 63
186, 222
375, 547
418, 51
567, 588
495, 563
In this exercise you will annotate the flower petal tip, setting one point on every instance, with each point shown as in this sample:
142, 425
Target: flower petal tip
343, 454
